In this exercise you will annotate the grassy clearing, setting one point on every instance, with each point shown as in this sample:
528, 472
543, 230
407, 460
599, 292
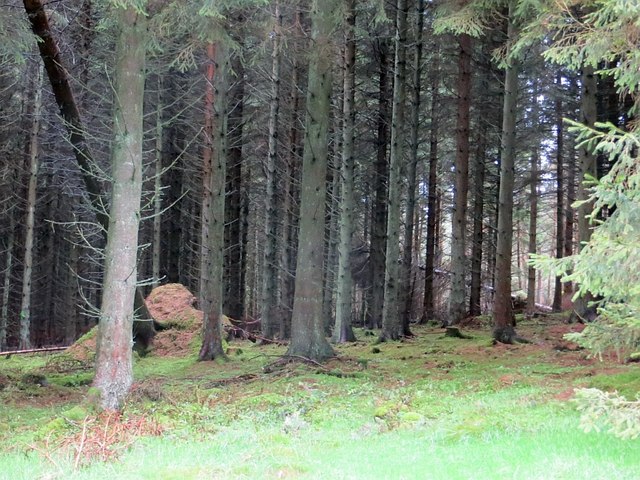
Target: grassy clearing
429, 407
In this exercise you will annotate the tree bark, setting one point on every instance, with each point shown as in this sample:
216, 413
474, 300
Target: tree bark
475, 292
343, 331
270, 318
533, 208
560, 185
391, 321
503, 320
213, 282
406, 290
307, 329
457, 298
114, 374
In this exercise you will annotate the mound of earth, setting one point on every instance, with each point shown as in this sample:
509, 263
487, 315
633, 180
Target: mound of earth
172, 306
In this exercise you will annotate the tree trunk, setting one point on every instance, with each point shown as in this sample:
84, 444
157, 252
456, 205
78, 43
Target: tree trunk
6, 283
391, 320
587, 162
213, 282
533, 209
307, 329
475, 293
380, 177
27, 272
503, 319
343, 332
428, 311
406, 290
457, 298
270, 318
114, 357
157, 188
560, 185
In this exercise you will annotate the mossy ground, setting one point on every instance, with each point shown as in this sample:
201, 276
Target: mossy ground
427, 407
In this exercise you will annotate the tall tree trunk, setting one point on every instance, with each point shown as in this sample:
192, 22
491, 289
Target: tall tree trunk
560, 185
157, 187
432, 214
213, 281
343, 332
114, 373
235, 247
587, 162
27, 272
503, 330
533, 207
270, 317
391, 321
6, 283
457, 297
569, 212
475, 293
380, 177
406, 290
307, 329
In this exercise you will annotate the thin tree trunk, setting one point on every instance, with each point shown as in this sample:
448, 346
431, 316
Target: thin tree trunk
588, 166
27, 272
533, 210
114, 374
406, 290
6, 284
475, 293
270, 318
343, 331
503, 330
569, 213
213, 281
157, 188
457, 298
428, 311
307, 329
560, 214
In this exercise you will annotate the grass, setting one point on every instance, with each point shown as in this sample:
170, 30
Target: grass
431, 407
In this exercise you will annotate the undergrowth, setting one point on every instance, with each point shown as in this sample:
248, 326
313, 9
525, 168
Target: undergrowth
427, 407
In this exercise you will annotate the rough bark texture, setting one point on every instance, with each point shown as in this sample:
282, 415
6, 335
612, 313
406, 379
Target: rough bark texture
391, 321
27, 272
270, 319
213, 282
380, 177
457, 298
503, 330
560, 186
587, 162
114, 357
307, 329
406, 289
432, 214
343, 332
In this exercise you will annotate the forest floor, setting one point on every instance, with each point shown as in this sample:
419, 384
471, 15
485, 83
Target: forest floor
429, 407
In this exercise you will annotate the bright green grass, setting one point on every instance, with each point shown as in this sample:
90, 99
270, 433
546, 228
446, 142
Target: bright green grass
431, 408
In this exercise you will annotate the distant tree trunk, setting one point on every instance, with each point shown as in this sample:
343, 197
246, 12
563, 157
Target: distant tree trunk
207, 166
235, 246
587, 161
406, 290
560, 187
391, 320
114, 373
27, 272
457, 298
270, 317
380, 177
343, 332
569, 213
6, 283
307, 329
475, 292
213, 289
503, 330
157, 188
432, 214
533, 209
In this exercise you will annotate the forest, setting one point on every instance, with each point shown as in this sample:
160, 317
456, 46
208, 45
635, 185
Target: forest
321, 182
